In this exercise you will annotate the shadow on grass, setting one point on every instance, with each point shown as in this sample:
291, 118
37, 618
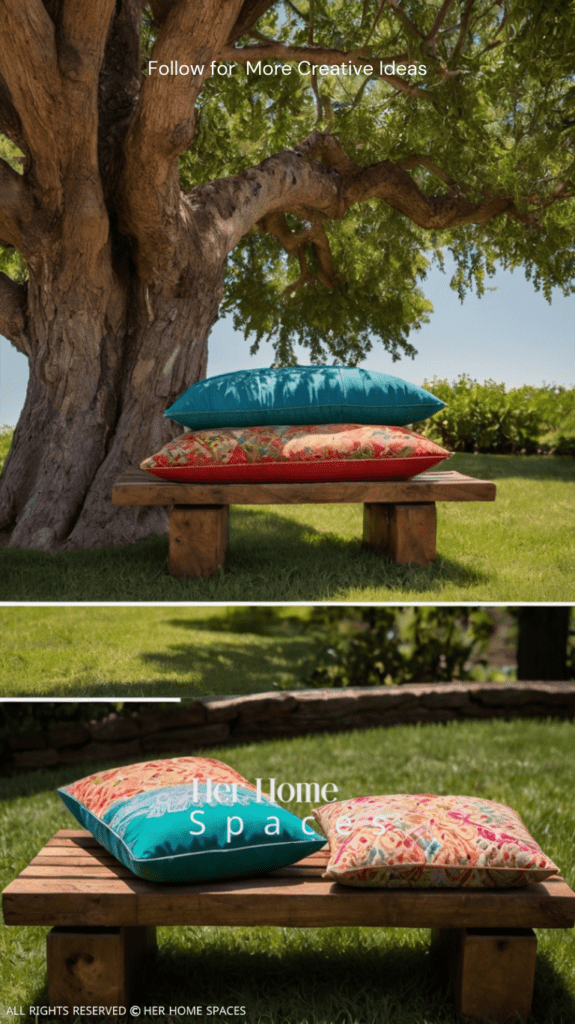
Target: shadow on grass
312, 984
552, 1001
328, 976
271, 558
315, 983
108, 688
250, 619
260, 666
270, 541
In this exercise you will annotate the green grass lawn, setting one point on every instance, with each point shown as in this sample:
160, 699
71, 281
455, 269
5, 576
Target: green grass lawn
519, 548
163, 651
330, 976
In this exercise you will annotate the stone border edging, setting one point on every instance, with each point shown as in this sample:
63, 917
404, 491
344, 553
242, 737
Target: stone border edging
212, 721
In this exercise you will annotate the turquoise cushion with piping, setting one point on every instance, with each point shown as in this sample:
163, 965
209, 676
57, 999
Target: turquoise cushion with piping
183, 834
296, 395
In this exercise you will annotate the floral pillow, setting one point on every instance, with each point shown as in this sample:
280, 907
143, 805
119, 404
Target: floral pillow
188, 819
338, 451
422, 841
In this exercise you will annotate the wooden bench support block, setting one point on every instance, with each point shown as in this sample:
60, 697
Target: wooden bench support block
198, 540
96, 966
406, 533
492, 971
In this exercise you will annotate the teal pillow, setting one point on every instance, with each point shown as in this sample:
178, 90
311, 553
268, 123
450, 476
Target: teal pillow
185, 834
295, 395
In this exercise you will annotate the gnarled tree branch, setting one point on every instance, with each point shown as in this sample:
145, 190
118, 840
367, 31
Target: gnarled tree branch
10, 124
275, 224
390, 182
317, 181
13, 314
16, 208
83, 31
163, 126
433, 32
285, 183
28, 66
250, 12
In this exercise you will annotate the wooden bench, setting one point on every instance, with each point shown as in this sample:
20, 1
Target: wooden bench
103, 921
399, 518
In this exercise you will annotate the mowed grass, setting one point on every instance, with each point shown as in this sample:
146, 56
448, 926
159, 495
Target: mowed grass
329, 976
519, 548
141, 651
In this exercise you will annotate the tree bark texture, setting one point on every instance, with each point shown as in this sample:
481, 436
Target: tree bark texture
125, 271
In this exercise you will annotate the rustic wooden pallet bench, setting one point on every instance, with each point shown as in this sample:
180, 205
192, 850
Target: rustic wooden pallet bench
399, 518
103, 922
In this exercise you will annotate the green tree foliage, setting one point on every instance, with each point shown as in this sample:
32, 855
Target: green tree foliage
376, 646
493, 116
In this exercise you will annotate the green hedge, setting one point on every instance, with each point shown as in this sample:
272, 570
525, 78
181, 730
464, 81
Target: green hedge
488, 418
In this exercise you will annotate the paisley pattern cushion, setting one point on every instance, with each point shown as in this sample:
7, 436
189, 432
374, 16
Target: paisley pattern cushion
340, 451
302, 394
99, 791
406, 841
188, 819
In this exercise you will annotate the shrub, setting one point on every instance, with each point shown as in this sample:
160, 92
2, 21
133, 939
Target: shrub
487, 418
377, 646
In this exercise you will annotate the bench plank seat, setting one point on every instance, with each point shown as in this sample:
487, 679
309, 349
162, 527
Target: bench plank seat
399, 515
136, 487
74, 874
103, 922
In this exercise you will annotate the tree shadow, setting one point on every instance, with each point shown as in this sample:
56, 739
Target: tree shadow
311, 982
272, 557
263, 621
553, 1003
259, 667
273, 541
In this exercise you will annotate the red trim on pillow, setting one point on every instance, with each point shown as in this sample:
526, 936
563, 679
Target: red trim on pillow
301, 472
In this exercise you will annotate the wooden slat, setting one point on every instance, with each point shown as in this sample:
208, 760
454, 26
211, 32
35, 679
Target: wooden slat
51, 856
136, 487
60, 871
66, 893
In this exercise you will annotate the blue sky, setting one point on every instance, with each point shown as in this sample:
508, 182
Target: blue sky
511, 335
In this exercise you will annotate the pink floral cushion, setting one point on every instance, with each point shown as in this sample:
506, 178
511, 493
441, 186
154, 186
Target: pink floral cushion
338, 451
423, 841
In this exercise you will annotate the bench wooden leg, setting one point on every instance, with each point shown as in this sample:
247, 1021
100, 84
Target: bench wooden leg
405, 533
198, 539
96, 966
492, 971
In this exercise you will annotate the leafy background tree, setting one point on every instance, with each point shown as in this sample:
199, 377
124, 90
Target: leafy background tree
135, 208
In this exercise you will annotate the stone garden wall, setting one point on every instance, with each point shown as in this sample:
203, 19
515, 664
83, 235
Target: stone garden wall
226, 720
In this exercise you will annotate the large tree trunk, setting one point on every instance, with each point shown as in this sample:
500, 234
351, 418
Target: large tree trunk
100, 379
